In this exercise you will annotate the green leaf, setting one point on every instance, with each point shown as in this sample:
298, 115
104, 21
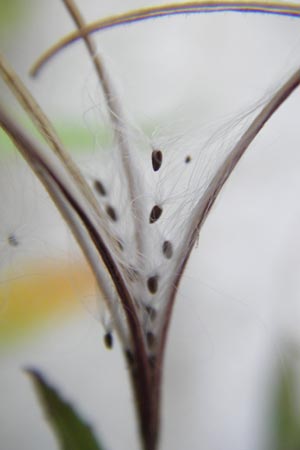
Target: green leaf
71, 431
286, 419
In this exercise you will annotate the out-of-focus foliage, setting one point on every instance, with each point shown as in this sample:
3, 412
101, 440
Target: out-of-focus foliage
286, 411
75, 136
13, 11
28, 303
71, 431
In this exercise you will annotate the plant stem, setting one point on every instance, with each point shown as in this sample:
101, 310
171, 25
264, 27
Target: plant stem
147, 403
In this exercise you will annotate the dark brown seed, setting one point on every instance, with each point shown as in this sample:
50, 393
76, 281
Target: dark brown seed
112, 213
155, 213
151, 312
188, 159
150, 338
99, 187
108, 340
129, 357
156, 160
152, 284
12, 240
167, 249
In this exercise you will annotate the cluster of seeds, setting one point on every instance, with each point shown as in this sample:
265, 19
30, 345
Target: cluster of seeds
146, 276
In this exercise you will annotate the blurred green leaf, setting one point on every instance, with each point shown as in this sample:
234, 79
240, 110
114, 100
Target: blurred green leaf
71, 431
13, 11
76, 138
287, 420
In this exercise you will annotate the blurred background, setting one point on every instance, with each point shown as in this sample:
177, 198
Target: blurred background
232, 364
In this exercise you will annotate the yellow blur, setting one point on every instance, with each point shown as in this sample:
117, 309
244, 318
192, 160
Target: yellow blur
41, 297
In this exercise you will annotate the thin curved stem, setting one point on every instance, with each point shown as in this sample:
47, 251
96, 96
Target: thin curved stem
49, 134
44, 126
41, 166
196, 7
117, 118
66, 201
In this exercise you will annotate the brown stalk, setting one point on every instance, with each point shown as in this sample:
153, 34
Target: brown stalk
63, 198
46, 129
147, 410
44, 126
116, 117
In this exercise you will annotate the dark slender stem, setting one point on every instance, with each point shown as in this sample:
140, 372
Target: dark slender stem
205, 205
118, 121
140, 368
147, 404
143, 383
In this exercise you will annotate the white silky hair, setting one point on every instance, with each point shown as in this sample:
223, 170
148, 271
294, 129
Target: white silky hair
190, 158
